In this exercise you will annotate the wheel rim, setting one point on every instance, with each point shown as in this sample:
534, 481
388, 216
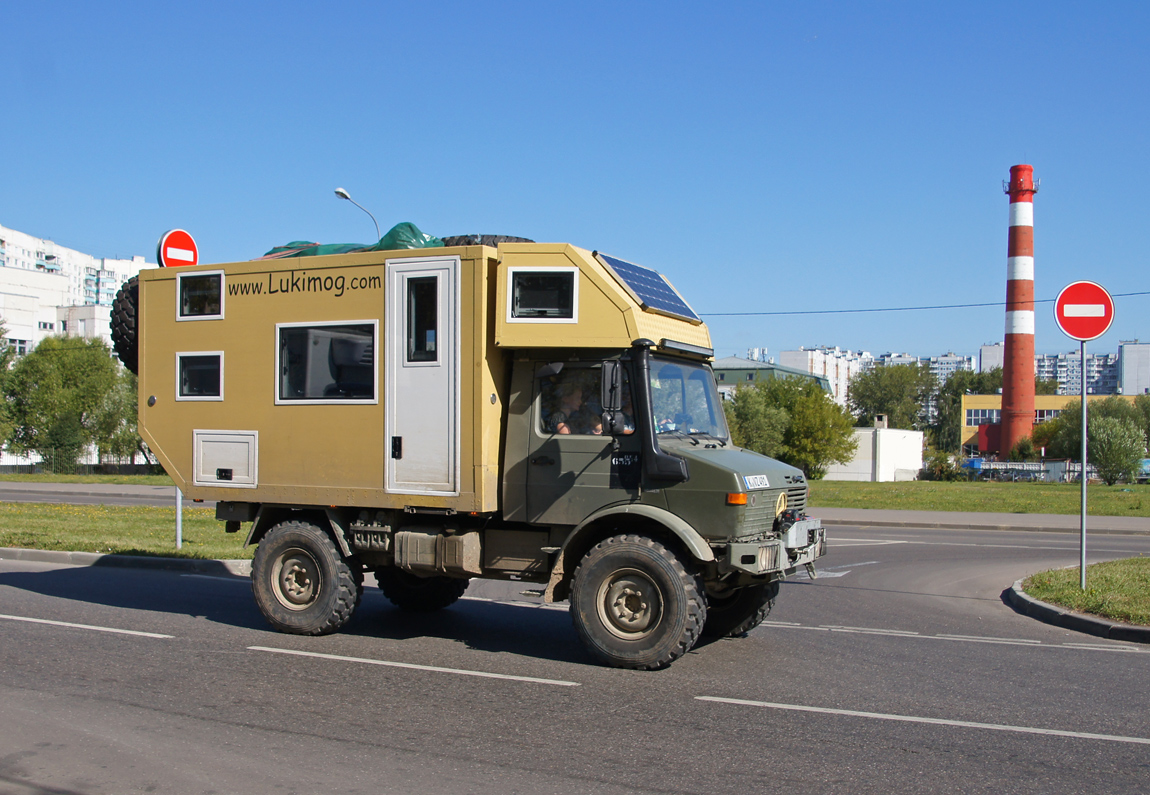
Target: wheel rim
630, 604
296, 579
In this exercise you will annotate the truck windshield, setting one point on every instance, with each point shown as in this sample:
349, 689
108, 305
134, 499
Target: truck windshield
685, 401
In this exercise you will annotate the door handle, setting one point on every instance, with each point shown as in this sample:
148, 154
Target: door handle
542, 461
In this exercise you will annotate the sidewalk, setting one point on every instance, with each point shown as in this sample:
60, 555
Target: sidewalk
971, 520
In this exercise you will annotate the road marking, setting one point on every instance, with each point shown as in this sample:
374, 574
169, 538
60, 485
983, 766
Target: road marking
964, 724
869, 630
414, 667
240, 580
985, 638
821, 574
899, 633
863, 542
848, 566
85, 626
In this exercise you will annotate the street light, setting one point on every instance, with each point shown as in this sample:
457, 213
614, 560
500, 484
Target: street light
343, 194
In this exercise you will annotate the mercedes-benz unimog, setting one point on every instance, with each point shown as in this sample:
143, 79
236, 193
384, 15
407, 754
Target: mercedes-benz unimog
526, 411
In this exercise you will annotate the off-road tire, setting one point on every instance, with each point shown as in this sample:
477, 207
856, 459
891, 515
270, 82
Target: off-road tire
418, 594
636, 604
738, 612
302, 584
482, 240
125, 339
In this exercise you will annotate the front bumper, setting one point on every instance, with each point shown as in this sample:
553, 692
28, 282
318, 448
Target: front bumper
800, 544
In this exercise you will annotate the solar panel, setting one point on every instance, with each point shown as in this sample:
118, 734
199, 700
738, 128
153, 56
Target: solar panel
649, 287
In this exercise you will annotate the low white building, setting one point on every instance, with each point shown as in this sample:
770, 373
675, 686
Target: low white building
883, 455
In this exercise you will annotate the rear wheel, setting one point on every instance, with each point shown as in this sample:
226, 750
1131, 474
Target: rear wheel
635, 604
301, 582
419, 594
736, 611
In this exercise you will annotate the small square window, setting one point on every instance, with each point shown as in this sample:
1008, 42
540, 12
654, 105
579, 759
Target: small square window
543, 295
201, 296
200, 375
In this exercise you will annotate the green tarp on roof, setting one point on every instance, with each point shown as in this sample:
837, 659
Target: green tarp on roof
402, 235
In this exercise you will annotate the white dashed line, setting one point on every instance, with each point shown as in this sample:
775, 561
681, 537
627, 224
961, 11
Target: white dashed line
85, 626
899, 633
962, 724
414, 667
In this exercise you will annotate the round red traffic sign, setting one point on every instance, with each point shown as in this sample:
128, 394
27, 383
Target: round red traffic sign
177, 248
1084, 310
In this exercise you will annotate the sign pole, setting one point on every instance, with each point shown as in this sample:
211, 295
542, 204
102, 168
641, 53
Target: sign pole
1082, 543
179, 518
1084, 311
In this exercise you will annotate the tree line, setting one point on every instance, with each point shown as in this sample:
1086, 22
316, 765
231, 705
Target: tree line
66, 395
794, 420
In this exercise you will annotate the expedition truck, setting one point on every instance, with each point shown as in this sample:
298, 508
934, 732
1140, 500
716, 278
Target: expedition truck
526, 411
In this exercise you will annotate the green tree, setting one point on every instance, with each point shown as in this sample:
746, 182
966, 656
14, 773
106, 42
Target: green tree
947, 427
114, 427
1023, 450
1066, 433
1142, 403
899, 391
819, 432
7, 355
754, 423
1115, 447
56, 394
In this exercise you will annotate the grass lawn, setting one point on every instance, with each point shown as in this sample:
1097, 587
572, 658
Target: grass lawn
983, 496
1118, 590
139, 480
118, 529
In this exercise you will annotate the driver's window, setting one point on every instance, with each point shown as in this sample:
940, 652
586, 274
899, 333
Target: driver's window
571, 405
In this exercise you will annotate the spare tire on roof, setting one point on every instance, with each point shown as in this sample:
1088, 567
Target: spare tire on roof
482, 240
124, 332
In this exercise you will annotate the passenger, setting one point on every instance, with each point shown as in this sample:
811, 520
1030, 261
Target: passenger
570, 401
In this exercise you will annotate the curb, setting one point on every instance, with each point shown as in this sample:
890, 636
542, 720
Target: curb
921, 525
222, 568
1068, 619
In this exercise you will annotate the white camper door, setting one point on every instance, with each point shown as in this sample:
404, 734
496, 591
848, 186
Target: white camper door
422, 429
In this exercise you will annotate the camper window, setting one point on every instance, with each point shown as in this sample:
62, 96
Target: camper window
422, 318
326, 362
201, 296
200, 375
540, 296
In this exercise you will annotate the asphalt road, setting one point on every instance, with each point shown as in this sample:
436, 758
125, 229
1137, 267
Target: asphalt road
899, 670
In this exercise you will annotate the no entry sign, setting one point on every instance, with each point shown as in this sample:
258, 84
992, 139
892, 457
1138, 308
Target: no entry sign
177, 248
1084, 311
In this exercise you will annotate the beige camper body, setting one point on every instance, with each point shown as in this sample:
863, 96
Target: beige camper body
537, 412
333, 451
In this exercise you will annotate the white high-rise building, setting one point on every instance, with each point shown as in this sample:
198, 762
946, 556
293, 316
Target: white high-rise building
48, 289
834, 364
1134, 367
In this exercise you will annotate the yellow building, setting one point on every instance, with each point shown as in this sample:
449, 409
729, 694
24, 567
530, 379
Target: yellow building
982, 417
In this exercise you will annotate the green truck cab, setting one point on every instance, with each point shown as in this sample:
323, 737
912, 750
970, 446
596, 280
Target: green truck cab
530, 412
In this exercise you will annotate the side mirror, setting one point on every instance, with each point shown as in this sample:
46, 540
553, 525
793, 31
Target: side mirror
611, 398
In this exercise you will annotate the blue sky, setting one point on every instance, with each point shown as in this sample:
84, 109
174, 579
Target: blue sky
766, 157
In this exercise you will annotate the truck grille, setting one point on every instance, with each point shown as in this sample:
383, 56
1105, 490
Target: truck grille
797, 498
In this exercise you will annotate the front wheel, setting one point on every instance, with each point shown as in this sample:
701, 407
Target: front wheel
301, 582
635, 604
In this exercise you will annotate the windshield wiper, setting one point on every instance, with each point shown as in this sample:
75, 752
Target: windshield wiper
718, 439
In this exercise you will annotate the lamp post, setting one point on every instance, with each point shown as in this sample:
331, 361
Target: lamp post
343, 194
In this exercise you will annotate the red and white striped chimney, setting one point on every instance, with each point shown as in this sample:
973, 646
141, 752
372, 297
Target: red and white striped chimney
1018, 353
